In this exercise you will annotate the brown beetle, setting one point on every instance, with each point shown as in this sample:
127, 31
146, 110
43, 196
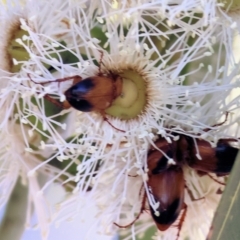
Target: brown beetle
166, 179
95, 93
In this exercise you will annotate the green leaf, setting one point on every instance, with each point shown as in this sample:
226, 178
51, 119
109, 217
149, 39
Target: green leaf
98, 33
13, 222
147, 235
150, 232
62, 55
227, 218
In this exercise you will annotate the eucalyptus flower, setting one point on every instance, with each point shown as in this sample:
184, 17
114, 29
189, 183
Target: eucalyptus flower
176, 67
49, 21
177, 86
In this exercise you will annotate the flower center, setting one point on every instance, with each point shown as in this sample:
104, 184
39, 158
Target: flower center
16, 51
132, 100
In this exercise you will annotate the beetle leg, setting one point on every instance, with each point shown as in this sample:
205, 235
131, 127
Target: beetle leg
100, 63
181, 220
53, 100
215, 180
75, 79
191, 195
219, 191
138, 215
201, 173
218, 124
63, 105
141, 191
224, 121
106, 119
133, 175
209, 236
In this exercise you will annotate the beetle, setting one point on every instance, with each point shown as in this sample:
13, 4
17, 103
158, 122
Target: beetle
95, 93
166, 183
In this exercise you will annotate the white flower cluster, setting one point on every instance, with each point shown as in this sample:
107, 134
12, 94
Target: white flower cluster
179, 71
